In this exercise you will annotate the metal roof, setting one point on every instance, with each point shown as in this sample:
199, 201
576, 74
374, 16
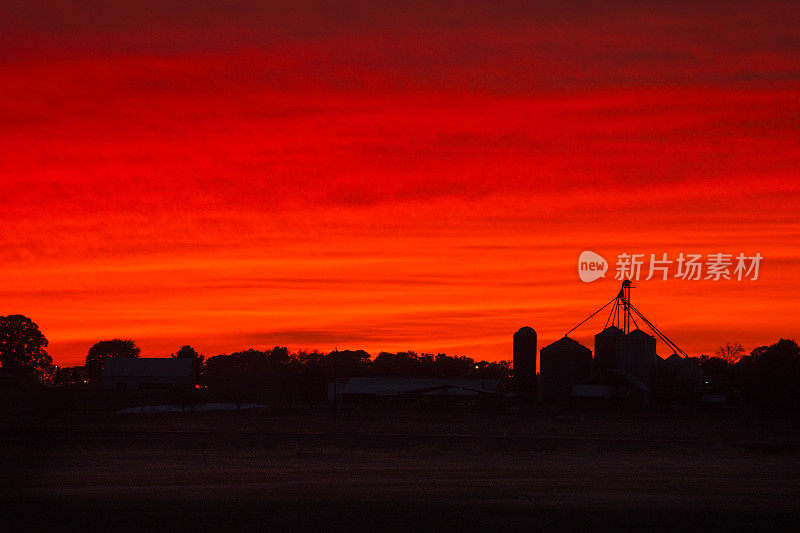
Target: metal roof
566, 344
637, 333
612, 331
525, 331
675, 359
397, 386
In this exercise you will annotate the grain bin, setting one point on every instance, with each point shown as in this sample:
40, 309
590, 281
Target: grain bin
525, 361
563, 364
607, 346
638, 356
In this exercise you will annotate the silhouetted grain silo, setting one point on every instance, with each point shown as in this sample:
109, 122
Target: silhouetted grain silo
563, 364
525, 361
638, 356
607, 347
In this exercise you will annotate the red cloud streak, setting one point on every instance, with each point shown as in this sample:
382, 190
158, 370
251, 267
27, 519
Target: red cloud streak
356, 175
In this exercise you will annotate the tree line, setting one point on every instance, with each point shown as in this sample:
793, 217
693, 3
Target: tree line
767, 376
22, 352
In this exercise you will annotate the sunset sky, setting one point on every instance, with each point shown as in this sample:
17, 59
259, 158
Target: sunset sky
392, 175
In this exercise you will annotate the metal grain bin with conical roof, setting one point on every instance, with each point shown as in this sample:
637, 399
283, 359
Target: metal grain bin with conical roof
607, 345
563, 364
525, 361
638, 356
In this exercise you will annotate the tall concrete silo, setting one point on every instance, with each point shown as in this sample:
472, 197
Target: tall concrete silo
607, 345
637, 356
563, 364
525, 361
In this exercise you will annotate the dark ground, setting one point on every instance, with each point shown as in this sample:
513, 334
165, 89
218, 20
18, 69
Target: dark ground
401, 468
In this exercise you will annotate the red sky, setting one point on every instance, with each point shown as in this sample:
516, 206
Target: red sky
351, 174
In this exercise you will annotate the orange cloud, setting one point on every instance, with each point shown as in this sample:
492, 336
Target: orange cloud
418, 178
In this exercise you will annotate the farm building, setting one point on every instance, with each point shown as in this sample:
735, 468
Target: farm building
372, 387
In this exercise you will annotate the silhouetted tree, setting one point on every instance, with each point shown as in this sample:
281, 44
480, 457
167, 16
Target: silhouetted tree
22, 348
273, 373
70, 375
318, 369
770, 375
96, 358
400, 364
731, 352
496, 370
261, 374
278, 356
346, 364
446, 366
187, 352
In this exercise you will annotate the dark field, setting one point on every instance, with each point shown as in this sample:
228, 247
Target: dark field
401, 468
